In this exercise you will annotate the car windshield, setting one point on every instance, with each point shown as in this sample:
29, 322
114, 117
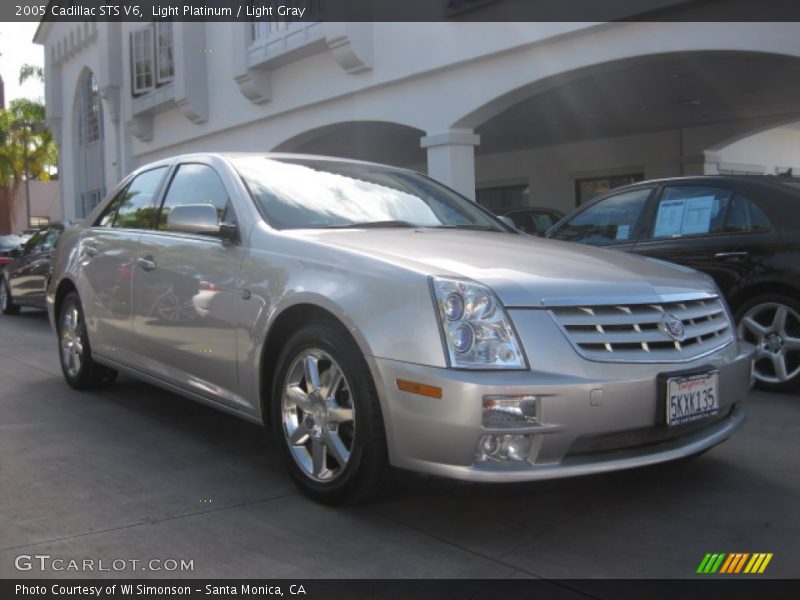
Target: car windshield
327, 194
10, 242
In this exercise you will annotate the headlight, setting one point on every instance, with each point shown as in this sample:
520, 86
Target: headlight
476, 330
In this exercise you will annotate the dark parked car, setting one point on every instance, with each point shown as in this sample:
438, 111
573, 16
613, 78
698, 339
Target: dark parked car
25, 278
9, 248
744, 231
535, 220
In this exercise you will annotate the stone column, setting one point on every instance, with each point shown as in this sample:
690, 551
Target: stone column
451, 159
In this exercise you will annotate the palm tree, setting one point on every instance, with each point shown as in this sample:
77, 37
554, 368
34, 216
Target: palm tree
27, 148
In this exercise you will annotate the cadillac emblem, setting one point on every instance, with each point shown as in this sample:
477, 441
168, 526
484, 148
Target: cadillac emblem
673, 326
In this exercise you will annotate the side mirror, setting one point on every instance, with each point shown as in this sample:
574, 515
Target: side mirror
194, 218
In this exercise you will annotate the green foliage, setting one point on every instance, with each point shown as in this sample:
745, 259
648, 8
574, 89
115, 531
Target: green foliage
25, 141
28, 71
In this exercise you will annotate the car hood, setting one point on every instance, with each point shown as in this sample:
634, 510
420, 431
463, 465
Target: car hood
524, 271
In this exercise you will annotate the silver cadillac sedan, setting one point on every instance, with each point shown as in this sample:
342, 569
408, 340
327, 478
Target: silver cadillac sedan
375, 318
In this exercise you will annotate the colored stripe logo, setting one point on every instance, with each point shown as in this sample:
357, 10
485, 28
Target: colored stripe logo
734, 563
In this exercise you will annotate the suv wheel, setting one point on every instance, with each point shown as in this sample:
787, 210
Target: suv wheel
772, 323
80, 370
327, 416
6, 301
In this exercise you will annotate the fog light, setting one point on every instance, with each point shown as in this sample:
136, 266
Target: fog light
516, 447
508, 411
488, 445
504, 447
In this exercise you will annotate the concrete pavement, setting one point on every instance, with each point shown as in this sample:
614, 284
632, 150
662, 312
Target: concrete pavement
136, 473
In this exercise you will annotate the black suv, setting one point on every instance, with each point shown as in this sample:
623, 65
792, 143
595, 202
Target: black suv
744, 231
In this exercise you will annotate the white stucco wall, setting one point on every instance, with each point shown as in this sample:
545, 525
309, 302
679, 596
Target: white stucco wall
772, 151
45, 199
442, 79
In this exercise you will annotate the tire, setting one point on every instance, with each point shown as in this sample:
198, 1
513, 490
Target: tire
772, 323
6, 301
335, 449
80, 370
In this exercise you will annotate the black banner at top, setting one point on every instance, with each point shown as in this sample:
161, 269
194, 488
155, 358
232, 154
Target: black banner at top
400, 10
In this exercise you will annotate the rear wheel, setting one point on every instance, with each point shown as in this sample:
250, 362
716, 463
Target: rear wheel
80, 370
772, 323
327, 416
6, 301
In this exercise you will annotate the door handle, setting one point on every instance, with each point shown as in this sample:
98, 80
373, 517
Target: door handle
732, 254
146, 264
90, 251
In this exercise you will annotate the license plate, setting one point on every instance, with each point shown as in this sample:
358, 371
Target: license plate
692, 397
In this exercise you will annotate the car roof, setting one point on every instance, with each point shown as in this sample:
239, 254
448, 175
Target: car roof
531, 208
785, 182
232, 156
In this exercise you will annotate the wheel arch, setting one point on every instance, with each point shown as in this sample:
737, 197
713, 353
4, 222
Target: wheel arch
65, 286
740, 297
285, 322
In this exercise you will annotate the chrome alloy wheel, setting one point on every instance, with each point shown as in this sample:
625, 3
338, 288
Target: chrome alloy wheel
774, 328
71, 341
318, 415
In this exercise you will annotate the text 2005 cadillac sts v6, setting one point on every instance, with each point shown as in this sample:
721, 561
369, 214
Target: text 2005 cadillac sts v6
376, 318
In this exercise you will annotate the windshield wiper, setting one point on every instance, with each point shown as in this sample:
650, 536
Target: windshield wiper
368, 224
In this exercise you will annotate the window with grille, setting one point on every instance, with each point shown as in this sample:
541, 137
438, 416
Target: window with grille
165, 60
39, 222
89, 129
142, 60
263, 26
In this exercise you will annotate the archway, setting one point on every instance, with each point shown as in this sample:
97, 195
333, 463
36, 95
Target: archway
640, 117
376, 141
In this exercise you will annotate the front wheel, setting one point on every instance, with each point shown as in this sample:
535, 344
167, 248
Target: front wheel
80, 370
326, 413
772, 323
6, 301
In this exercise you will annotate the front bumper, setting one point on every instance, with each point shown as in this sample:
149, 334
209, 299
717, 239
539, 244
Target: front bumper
578, 432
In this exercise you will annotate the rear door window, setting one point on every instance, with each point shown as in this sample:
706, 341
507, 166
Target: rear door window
744, 216
106, 218
690, 210
137, 209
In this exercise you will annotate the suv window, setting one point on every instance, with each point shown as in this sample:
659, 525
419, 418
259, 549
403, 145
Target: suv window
137, 206
608, 221
690, 210
744, 216
195, 184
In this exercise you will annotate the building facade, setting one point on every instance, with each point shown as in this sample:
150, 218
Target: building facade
513, 113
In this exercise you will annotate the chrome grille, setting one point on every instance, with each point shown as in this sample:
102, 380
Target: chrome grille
638, 332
